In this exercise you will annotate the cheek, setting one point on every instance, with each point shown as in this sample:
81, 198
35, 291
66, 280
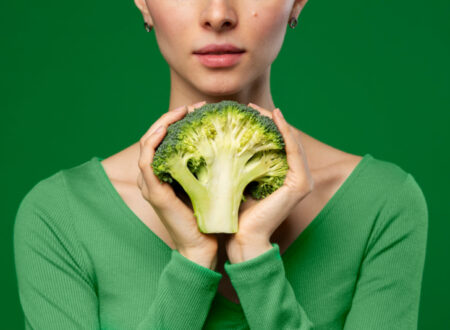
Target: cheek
172, 31
266, 26
262, 29
269, 13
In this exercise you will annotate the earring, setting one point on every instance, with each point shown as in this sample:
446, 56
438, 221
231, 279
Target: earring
147, 27
292, 22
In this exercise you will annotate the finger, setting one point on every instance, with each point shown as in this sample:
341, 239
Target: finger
147, 152
192, 107
171, 116
294, 150
140, 180
165, 120
142, 186
263, 111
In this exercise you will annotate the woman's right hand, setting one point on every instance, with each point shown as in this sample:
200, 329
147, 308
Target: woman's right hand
176, 216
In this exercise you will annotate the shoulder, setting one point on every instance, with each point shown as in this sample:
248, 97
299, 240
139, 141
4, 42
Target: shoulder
44, 225
393, 184
401, 203
399, 186
43, 194
334, 166
46, 203
41, 215
50, 191
384, 179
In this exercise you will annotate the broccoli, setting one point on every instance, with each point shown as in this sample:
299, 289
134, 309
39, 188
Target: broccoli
217, 153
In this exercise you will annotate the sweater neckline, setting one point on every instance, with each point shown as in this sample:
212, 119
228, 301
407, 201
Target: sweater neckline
106, 183
329, 206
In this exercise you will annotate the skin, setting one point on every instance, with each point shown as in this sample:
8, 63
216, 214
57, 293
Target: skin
251, 24
257, 219
192, 24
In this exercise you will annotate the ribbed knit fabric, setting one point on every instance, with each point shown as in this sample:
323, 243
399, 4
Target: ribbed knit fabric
84, 260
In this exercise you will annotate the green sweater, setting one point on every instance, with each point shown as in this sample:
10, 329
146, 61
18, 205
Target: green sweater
84, 260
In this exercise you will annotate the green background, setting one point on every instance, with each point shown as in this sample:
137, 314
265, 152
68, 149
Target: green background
84, 78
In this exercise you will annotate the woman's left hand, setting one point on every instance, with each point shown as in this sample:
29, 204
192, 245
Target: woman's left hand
259, 219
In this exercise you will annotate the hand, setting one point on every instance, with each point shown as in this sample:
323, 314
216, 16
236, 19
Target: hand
259, 219
176, 216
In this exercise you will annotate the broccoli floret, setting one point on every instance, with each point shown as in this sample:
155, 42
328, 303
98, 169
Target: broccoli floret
217, 153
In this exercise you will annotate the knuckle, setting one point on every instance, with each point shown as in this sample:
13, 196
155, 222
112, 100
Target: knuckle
305, 188
143, 141
166, 117
143, 164
144, 190
162, 119
302, 188
148, 142
146, 196
139, 180
157, 202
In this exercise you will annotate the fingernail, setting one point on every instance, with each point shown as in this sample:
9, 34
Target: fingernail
159, 129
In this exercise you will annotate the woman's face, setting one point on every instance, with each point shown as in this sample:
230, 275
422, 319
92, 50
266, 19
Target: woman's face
184, 26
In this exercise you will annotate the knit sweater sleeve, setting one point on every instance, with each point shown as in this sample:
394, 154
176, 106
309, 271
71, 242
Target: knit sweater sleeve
266, 296
57, 290
391, 270
185, 293
387, 292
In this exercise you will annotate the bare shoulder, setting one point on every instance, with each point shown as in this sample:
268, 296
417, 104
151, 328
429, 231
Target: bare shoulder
329, 168
123, 165
324, 159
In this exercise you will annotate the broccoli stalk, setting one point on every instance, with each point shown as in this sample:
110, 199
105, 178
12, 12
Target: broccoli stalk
214, 153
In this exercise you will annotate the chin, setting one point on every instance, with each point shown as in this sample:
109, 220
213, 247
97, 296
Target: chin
223, 92
221, 86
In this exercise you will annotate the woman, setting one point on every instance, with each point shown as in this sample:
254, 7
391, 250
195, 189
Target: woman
106, 245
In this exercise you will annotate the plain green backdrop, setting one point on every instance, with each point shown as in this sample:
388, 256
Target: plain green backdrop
84, 78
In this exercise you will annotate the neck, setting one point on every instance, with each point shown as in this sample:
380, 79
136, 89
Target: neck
183, 92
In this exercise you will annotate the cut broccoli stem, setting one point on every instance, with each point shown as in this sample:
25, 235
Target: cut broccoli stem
214, 154
216, 203
187, 180
217, 211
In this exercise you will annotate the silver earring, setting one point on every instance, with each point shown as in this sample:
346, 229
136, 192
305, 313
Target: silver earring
148, 27
292, 22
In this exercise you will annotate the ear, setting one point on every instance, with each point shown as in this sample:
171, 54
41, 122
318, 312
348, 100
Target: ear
296, 8
142, 6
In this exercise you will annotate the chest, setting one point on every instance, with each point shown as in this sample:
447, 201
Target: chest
326, 184
322, 271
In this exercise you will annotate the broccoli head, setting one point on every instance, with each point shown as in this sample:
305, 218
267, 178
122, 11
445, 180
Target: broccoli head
218, 152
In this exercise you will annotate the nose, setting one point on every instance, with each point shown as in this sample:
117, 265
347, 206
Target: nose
219, 15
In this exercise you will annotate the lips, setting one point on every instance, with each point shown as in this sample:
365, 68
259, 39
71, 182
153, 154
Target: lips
215, 49
219, 61
218, 53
